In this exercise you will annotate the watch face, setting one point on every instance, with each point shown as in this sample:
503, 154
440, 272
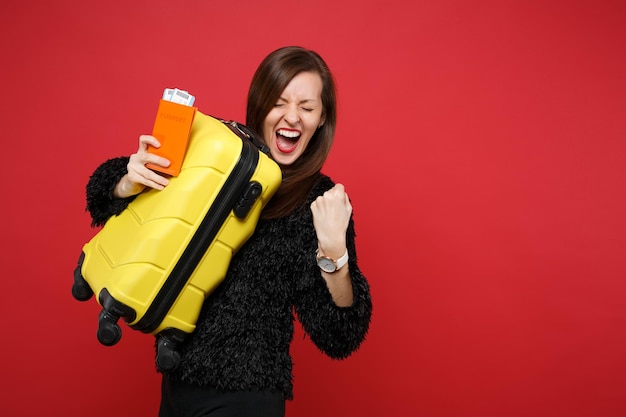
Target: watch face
326, 265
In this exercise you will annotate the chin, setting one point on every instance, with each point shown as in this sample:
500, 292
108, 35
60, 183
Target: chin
285, 159
281, 160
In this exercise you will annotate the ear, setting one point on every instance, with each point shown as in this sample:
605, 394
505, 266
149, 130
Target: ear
322, 120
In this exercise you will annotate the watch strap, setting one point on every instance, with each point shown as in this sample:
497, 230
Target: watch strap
342, 261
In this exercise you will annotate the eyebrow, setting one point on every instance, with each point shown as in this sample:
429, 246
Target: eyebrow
314, 100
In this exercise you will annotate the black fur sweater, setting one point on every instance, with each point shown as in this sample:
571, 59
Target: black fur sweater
246, 325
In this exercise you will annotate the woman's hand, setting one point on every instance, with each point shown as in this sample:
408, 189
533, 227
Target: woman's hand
331, 215
138, 176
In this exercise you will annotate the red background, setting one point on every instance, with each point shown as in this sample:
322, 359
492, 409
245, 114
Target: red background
483, 146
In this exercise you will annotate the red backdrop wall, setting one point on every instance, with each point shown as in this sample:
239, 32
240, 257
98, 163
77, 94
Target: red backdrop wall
482, 144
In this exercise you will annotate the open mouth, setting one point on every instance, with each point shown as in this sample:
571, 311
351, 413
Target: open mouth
287, 140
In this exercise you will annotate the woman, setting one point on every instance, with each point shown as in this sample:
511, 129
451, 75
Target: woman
301, 258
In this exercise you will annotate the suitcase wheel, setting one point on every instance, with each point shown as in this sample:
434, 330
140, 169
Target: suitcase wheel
109, 332
81, 290
167, 357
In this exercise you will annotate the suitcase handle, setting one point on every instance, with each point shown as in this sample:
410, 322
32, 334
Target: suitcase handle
244, 132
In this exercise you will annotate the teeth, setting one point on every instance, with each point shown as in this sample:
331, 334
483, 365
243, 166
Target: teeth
288, 133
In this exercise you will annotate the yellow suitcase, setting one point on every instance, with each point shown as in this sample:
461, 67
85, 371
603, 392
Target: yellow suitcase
155, 263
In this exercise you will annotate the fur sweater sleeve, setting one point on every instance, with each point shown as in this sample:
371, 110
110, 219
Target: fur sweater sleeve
336, 331
100, 201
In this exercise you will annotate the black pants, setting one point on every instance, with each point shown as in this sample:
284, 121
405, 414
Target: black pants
179, 399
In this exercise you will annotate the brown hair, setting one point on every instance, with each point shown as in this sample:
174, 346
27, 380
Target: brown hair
268, 83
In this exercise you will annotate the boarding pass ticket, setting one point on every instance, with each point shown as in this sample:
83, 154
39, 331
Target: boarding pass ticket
178, 96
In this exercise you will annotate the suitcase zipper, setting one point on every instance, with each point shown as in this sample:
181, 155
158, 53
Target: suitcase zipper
207, 230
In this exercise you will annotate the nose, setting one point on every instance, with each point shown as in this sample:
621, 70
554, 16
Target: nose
291, 115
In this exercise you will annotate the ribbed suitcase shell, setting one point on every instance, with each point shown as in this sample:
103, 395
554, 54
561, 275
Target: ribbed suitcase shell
157, 261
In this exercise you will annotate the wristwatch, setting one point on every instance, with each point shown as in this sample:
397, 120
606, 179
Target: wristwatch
329, 265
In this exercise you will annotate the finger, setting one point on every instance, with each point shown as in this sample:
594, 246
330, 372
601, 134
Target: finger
147, 140
339, 188
139, 173
158, 183
336, 191
148, 178
142, 158
348, 205
157, 160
